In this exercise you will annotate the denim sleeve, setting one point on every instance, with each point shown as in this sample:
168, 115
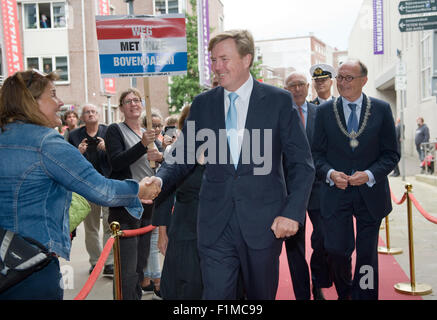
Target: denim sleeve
68, 167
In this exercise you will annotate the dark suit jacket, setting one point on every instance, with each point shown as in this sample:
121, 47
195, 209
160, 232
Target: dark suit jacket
314, 202
256, 199
316, 101
377, 152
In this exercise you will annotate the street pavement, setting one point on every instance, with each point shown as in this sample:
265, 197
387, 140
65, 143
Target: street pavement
75, 271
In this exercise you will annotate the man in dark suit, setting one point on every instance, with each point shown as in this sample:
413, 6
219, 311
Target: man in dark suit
322, 75
298, 85
396, 171
355, 151
245, 209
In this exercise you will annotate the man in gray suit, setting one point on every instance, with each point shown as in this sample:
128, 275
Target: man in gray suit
298, 85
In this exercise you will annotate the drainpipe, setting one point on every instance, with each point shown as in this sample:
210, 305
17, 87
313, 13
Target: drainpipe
85, 78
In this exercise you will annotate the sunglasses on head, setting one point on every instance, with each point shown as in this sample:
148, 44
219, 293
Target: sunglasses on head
34, 72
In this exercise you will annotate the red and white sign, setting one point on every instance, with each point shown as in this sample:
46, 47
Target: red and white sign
141, 46
11, 32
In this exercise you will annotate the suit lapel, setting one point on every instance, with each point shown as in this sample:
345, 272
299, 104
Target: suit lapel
254, 115
339, 107
363, 111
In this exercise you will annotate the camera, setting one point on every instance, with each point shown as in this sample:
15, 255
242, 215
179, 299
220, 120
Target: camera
170, 131
92, 141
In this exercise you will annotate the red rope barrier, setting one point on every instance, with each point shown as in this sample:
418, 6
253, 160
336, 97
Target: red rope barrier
137, 232
421, 210
104, 256
96, 271
404, 197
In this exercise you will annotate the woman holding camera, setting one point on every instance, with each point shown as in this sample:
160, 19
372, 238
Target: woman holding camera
127, 148
38, 171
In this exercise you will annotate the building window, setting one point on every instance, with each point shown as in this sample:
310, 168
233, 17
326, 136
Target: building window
166, 6
425, 64
49, 64
44, 15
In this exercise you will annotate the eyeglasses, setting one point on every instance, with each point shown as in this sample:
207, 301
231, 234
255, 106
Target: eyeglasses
34, 72
134, 100
155, 126
346, 78
296, 85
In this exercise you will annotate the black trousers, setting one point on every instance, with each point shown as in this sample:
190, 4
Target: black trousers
320, 274
340, 242
300, 275
222, 262
134, 251
295, 248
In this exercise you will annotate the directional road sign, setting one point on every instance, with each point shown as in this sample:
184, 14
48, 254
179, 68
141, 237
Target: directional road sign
417, 6
418, 23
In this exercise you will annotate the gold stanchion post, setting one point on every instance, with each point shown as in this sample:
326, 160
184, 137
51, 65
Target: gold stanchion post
388, 249
412, 288
115, 228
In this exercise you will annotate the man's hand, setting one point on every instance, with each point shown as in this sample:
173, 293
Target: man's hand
284, 227
358, 178
162, 239
83, 145
150, 187
340, 179
148, 137
101, 146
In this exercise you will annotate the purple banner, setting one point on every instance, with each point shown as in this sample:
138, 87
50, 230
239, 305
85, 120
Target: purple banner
203, 40
378, 27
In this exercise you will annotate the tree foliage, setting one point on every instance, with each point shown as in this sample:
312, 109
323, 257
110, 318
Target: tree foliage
184, 88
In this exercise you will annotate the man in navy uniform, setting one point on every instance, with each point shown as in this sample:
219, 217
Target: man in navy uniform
322, 75
355, 151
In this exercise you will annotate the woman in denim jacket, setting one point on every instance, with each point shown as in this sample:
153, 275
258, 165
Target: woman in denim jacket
38, 171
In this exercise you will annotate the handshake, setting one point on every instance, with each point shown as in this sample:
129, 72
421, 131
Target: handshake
150, 187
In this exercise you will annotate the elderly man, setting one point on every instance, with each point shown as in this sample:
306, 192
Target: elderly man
298, 85
89, 140
355, 151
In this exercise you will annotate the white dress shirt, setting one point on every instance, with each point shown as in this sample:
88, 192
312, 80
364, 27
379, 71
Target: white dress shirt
242, 106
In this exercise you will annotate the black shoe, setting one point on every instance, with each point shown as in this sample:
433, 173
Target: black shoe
156, 294
318, 294
108, 270
148, 289
395, 174
92, 268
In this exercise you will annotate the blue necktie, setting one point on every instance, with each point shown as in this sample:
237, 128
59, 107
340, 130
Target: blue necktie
231, 128
352, 123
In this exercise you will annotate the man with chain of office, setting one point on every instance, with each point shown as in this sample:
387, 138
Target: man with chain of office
322, 75
355, 149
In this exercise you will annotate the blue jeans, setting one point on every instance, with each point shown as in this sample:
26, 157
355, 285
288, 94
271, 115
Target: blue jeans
153, 269
42, 285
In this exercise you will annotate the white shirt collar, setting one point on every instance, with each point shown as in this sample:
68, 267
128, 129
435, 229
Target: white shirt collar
358, 102
244, 91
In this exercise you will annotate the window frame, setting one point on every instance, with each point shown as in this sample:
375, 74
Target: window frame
425, 65
38, 20
54, 66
